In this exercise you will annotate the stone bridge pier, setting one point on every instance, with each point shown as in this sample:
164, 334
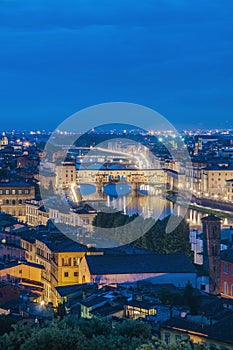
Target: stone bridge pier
135, 186
99, 187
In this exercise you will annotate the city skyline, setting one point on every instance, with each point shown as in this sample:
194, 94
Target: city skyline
116, 174
169, 56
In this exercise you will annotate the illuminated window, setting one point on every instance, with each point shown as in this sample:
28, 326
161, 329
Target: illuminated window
75, 261
152, 312
66, 261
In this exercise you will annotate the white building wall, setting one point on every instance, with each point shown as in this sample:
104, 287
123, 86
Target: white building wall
203, 281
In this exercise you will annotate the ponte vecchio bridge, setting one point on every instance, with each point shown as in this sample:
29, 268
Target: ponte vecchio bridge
155, 177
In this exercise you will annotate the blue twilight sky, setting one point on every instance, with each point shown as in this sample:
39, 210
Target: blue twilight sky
59, 56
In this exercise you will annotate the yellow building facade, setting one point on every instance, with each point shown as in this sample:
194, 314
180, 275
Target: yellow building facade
61, 265
26, 274
215, 182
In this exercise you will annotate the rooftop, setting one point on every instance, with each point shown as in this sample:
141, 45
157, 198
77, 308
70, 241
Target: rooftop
7, 220
142, 304
219, 168
15, 184
94, 300
221, 330
66, 245
139, 263
107, 310
17, 263
211, 217
74, 288
186, 325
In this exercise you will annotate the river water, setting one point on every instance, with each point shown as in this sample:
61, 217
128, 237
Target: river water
120, 197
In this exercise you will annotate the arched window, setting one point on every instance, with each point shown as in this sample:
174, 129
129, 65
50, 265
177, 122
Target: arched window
225, 288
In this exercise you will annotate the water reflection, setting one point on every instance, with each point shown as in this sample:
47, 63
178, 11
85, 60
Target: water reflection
147, 206
117, 190
121, 197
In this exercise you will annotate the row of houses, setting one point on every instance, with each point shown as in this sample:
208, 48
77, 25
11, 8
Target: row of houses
19, 199
62, 261
211, 181
65, 263
211, 323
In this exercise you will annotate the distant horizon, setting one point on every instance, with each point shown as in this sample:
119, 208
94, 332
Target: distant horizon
185, 129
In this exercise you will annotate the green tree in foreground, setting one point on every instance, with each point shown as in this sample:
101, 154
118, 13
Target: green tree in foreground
78, 334
6, 323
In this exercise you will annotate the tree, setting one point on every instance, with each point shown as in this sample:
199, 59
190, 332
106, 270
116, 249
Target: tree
168, 298
191, 299
6, 323
16, 338
163, 242
81, 334
188, 298
156, 238
61, 310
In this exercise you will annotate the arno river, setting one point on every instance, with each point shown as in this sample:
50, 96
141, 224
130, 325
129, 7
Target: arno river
149, 206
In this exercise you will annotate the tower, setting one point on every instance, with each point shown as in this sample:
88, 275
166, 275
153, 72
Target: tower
200, 145
3, 141
211, 251
196, 148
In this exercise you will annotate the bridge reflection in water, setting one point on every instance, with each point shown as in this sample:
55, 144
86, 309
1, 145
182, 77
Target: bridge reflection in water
119, 196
